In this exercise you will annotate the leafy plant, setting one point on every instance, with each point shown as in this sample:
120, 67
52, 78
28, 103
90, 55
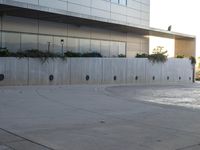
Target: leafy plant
72, 54
121, 55
159, 57
88, 54
91, 54
193, 60
143, 55
180, 56
4, 52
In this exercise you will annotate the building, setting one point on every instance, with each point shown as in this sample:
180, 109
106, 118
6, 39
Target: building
111, 27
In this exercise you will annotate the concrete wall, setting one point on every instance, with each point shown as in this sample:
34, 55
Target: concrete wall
29, 71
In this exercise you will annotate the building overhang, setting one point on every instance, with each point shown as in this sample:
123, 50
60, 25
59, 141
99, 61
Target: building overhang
18, 9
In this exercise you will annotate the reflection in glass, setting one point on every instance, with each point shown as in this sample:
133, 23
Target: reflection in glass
114, 49
73, 44
84, 45
59, 44
122, 48
96, 46
105, 48
11, 41
29, 42
46, 43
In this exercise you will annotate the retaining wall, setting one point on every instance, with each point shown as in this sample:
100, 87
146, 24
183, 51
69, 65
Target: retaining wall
28, 71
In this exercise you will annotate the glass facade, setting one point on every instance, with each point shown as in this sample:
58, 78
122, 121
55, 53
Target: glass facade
121, 2
11, 41
29, 41
22, 41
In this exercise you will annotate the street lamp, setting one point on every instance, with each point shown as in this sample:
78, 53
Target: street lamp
49, 44
62, 43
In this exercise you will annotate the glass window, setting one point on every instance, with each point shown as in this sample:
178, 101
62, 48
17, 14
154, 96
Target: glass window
11, 41
73, 44
114, 49
122, 48
96, 46
29, 41
105, 48
45, 43
122, 2
59, 45
1, 39
84, 45
115, 1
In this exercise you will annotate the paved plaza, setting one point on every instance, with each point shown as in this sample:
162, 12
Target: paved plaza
96, 117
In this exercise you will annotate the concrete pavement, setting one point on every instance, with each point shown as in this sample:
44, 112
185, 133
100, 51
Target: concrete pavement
95, 118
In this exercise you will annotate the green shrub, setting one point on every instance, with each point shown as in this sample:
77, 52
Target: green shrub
121, 55
72, 54
193, 60
180, 56
88, 54
91, 54
159, 57
4, 52
156, 57
143, 55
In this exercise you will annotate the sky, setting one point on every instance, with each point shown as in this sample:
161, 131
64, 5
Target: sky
183, 15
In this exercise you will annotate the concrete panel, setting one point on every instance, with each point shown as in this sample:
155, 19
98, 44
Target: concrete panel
76, 70
39, 72
92, 67
132, 76
20, 24
3, 70
16, 71
61, 71
114, 68
57, 4
81, 2
153, 72
78, 9
29, 1
118, 17
100, 13
183, 70
141, 70
168, 72
115, 8
104, 5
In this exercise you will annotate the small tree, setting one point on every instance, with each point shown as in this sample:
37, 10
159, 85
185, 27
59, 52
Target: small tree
159, 55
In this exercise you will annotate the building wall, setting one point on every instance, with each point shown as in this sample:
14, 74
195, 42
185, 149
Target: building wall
28, 71
25, 34
185, 47
133, 12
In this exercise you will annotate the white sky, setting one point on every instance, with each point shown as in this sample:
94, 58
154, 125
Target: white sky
183, 15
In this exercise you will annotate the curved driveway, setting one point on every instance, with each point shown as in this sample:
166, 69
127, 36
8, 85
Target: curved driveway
99, 118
